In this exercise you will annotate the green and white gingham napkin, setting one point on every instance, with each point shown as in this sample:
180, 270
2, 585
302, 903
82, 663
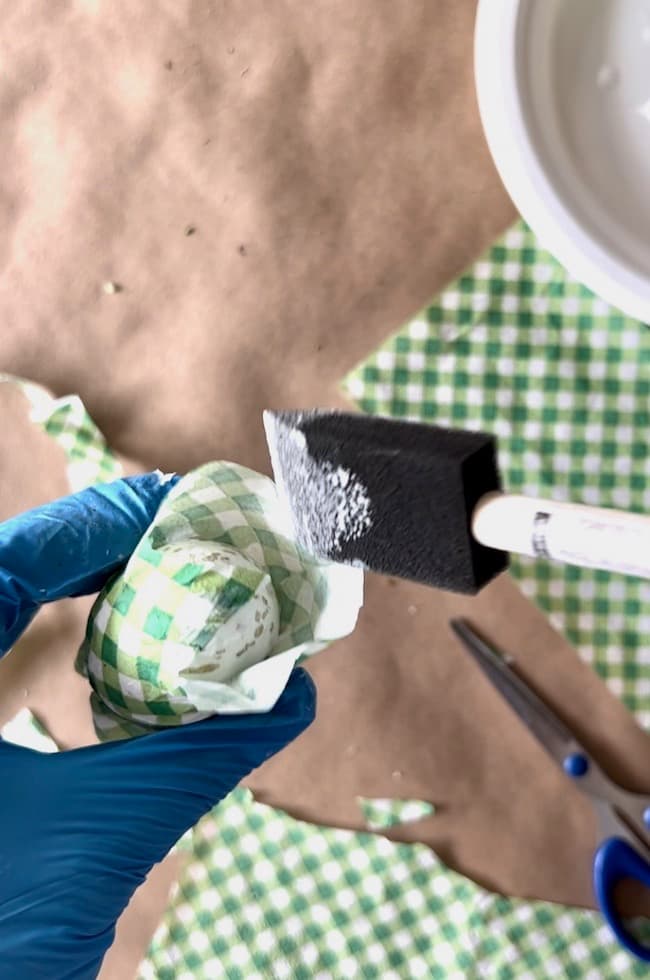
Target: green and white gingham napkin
517, 348
380, 813
88, 457
213, 609
266, 897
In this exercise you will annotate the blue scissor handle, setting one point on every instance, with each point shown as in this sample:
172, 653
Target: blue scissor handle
615, 860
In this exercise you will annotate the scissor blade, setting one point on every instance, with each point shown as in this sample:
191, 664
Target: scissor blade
538, 718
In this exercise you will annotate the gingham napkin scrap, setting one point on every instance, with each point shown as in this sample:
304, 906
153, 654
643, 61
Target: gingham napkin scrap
266, 897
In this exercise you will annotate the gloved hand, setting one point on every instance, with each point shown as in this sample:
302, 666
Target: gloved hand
80, 830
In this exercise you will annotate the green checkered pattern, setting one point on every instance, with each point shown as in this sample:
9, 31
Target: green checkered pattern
381, 813
133, 634
265, 897
141, 641
89, 460
516, 348
235, 506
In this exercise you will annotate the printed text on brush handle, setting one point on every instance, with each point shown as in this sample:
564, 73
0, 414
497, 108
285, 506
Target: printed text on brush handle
593, 537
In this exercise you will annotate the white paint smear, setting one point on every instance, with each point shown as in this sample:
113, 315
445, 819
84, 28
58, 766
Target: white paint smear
329, 506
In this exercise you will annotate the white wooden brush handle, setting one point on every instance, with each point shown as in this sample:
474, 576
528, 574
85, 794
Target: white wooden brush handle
593, 537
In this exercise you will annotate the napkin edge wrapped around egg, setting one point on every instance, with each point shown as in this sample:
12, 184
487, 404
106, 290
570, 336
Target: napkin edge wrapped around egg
213, 609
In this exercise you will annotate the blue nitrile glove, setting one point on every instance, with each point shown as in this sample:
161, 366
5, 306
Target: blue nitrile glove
71, 546
80, 830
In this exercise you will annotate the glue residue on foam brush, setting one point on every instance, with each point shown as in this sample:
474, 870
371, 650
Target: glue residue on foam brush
343, 500
329, 506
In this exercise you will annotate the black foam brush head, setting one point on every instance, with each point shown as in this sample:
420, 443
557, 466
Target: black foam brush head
395, 497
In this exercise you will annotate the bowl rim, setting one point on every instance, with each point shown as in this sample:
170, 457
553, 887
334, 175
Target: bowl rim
497, 38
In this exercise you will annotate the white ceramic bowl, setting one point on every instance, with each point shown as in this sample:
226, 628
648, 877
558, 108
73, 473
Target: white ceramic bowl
564, 95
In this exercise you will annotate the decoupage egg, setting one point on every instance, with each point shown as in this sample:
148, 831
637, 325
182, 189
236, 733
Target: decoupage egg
177, 621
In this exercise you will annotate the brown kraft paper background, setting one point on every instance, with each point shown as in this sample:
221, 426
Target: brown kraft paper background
329, 162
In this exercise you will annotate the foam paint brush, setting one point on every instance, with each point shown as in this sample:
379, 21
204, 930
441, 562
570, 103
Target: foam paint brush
425, 503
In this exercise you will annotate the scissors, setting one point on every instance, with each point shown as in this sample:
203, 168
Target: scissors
624, 818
